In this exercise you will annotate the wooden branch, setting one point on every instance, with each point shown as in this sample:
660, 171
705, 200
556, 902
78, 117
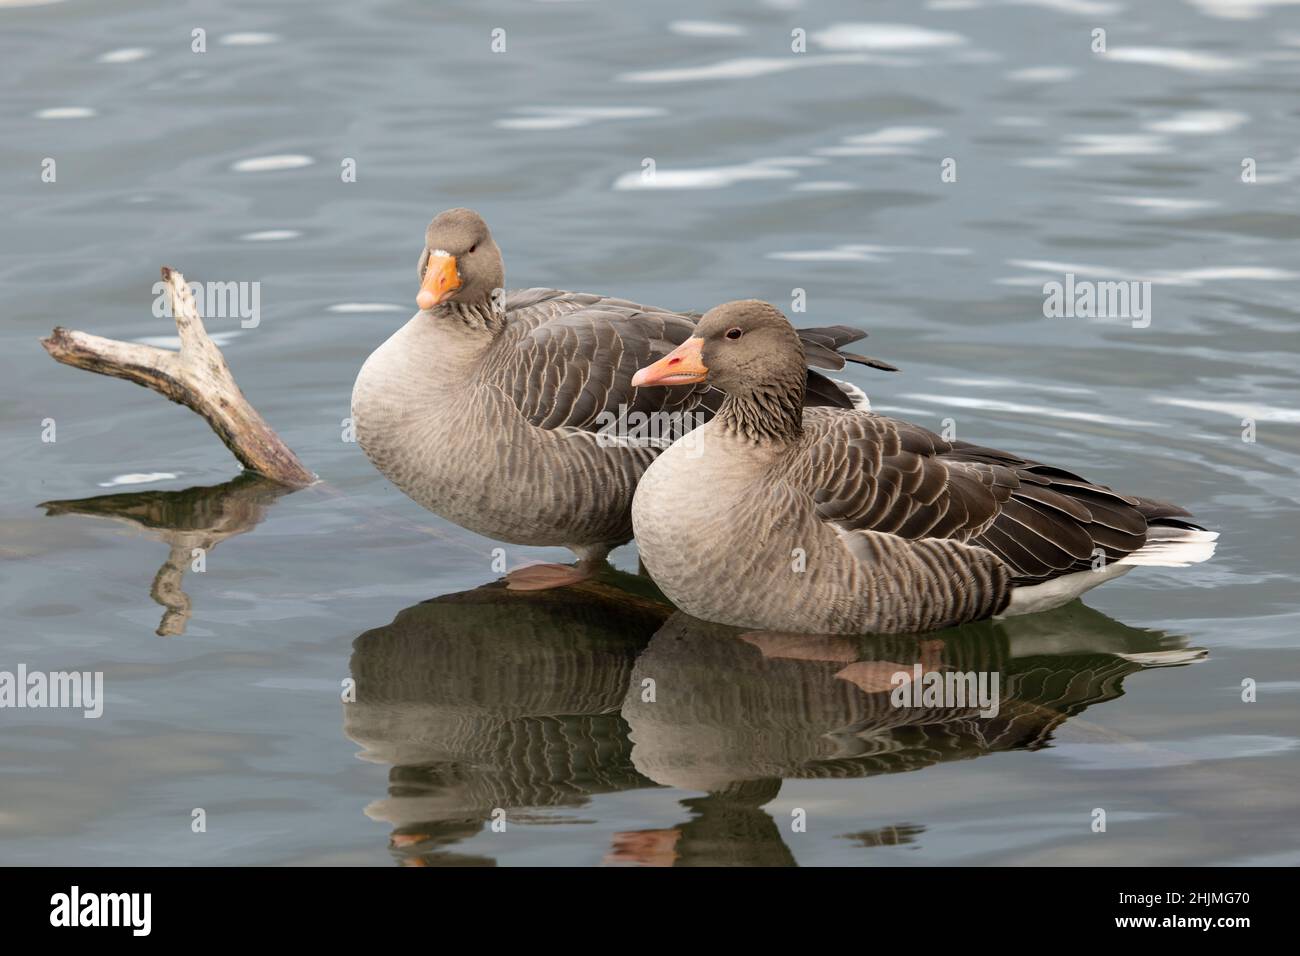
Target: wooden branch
197, 376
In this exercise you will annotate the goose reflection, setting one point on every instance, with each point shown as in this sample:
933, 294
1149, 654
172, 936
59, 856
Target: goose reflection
526, 702
734, 709
199, 517
492, 700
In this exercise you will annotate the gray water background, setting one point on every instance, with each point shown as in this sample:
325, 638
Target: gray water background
777, 171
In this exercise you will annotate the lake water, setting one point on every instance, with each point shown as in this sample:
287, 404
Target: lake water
774, 171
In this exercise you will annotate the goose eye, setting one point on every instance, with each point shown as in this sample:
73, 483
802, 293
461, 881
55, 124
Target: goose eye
734, 333
474, 247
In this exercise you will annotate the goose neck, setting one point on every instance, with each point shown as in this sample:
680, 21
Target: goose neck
764, 415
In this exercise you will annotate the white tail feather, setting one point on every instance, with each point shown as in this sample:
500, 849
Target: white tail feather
856, 395
1168, 547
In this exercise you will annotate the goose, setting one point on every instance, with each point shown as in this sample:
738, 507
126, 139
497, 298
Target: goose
500, 411
840, 521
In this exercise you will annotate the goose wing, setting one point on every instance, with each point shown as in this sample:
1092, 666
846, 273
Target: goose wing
866, 472
567, 359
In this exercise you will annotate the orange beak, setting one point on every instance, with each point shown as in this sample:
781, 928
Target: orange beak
441, 279
682, 366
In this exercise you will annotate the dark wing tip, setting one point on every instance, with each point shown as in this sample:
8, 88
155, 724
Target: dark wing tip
868, 360
822, 347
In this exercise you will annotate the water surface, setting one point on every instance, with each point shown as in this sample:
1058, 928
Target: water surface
775, 171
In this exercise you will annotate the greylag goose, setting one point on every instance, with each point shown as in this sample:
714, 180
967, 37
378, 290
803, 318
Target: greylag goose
831, 520
493, 408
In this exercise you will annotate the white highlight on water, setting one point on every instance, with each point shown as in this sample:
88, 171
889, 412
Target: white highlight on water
139, 478
709, 177
1200, 122
743, 68
1018, 408
262, 164
270, 235
884, 36
129, 54
572, 117
248, 39
1190, 61
352, 307
66, 112
705, 28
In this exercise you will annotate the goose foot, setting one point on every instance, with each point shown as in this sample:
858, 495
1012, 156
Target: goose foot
875, 677
644, 848
803, 647
878, 677
543, 577
399, 841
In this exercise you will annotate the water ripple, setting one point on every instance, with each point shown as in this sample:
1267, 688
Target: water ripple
743, 68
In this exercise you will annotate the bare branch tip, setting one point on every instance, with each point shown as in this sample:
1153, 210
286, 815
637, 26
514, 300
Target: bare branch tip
57, 338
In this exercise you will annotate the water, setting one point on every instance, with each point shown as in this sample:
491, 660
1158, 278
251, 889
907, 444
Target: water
775, 171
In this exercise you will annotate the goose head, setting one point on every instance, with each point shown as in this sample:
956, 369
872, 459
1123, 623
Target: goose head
460, 262
740, 347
